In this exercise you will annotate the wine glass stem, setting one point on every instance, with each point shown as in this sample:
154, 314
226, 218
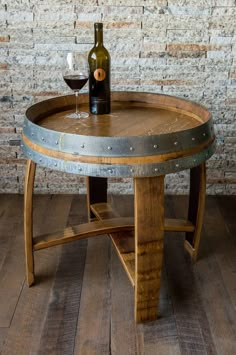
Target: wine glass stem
76, 103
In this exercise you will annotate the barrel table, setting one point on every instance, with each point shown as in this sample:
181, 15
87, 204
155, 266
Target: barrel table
145, 137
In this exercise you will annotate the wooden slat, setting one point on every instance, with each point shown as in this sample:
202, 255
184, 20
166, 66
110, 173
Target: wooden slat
105, 211
85, 230
124, 245
178, 225
123, 241
149, 234
190, 250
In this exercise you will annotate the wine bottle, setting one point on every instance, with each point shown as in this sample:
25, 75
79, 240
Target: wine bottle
99, 75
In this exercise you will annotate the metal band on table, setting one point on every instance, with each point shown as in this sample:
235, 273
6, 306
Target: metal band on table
198, 142
118, 146
106, 170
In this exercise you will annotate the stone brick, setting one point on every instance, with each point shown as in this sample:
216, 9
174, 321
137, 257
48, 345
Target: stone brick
55, 13
189, 10
221, 11
19, 16
7, 152
202, 3
224, 3
4, 39
186, 36
128, 3
9, 185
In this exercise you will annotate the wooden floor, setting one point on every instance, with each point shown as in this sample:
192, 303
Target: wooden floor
82, 302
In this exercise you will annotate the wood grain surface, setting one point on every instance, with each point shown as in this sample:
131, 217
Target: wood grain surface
132, 114
128, 119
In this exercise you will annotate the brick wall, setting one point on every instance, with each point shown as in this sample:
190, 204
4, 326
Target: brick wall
181, 47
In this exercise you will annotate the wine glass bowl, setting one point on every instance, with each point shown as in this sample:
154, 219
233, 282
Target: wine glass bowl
75, 75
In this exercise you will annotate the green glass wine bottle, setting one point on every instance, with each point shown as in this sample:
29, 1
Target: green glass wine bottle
99, 76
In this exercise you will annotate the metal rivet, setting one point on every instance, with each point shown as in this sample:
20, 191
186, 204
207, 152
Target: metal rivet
22, 145
156, 169
42, 138
56, 142
40, 159
32, 133
110, 171
175, 143
131, 148
194, 160
80, 169
193, 139
109, 148
177, 165
131, 170
82, 146
204, 134
155, 146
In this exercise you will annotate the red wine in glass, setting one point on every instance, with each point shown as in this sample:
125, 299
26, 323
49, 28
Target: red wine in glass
75, 82
75, 74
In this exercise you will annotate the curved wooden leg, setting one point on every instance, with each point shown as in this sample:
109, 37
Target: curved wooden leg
28, 220
196, 208
149, 233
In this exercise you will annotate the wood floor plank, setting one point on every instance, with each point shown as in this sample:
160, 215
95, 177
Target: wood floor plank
227, 206
60, 322
27, 322
124, 338
193, 328
93, 329
215, 274
161, 335
11, 256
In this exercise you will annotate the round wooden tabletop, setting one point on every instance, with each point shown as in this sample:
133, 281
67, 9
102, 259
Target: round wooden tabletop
144, 135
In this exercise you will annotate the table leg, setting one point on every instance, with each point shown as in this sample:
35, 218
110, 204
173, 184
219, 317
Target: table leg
96, 192
196, 206
28, 220
149, 232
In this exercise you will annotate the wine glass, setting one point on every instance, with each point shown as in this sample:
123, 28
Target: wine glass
75, 74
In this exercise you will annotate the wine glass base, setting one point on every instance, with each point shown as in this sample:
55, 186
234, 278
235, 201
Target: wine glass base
78, 115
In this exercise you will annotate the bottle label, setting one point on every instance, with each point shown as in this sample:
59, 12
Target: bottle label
99, 74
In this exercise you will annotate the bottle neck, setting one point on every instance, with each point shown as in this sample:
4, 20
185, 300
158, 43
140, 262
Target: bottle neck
98, 37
